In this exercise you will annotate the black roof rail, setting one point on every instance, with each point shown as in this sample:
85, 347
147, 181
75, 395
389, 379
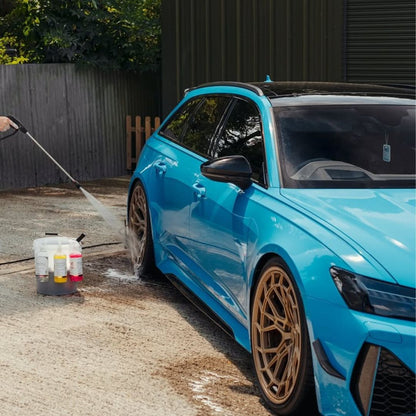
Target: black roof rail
292, 88
398, 85
253, 88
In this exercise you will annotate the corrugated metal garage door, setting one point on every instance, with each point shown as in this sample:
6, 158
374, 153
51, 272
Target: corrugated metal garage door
243, 40
380, 41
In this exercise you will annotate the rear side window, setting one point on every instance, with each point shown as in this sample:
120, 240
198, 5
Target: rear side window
177, 124
204, 124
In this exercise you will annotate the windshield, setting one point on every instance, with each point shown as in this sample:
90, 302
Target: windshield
347, 146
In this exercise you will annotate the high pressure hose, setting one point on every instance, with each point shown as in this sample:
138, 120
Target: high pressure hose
18, 126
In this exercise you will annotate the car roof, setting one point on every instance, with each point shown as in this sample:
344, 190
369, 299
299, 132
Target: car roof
272, 89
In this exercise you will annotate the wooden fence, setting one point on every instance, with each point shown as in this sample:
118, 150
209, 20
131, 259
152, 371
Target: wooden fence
137, 135
77, 114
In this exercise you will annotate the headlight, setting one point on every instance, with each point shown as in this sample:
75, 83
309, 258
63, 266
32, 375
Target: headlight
374, 296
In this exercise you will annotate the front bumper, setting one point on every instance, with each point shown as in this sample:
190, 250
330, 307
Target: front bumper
365, 365
382, 384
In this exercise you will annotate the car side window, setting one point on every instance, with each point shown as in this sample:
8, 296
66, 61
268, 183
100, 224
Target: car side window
203, 125
242, 135
176, 126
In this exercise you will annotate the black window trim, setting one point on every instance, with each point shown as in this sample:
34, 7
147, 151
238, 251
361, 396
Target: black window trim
190, 120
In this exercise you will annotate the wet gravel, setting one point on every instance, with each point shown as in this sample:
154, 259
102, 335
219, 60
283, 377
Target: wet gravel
119, 346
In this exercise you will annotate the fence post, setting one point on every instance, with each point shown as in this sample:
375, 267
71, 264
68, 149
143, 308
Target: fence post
139, 140
141, 135
128, 142
156, 123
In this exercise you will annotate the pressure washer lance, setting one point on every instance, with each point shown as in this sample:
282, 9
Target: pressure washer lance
17, 125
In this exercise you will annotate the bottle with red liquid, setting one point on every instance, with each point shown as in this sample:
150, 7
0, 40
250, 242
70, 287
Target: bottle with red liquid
75, 264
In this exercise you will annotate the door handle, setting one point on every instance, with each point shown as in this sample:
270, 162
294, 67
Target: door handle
199, 190
160, 168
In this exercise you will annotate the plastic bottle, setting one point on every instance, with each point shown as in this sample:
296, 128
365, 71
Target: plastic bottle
75, 267
59, 266
42, 265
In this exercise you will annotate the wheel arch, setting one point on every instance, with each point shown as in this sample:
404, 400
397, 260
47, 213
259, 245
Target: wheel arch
284, 257
256, 274
132, 185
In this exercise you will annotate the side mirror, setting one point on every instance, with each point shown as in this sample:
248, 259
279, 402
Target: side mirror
233, 169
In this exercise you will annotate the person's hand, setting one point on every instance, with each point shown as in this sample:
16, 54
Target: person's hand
4, 123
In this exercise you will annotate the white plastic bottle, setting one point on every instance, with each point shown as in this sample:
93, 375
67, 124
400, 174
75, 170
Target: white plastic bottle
42, 265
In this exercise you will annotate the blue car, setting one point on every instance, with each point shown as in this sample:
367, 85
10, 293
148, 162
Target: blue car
287, 211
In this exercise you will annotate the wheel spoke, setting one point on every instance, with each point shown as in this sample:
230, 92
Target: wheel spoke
278, 353
269, 328
273, 309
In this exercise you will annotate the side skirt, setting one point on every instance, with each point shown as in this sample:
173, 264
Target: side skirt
200, 305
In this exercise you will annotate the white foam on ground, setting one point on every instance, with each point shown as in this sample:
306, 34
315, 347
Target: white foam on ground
200, 387
120, 276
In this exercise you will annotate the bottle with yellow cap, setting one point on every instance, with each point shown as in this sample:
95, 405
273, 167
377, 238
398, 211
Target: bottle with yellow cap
59, 267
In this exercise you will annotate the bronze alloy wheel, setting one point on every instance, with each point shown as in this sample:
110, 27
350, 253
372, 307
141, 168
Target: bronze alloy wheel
276, 335
139, 233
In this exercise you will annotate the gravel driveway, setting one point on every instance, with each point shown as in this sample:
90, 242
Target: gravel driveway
121, 345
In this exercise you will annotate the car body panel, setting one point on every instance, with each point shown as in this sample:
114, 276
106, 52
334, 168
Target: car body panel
379, 221
219, 236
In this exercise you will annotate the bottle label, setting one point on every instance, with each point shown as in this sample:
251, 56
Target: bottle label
41, 266
60, 273
75, 267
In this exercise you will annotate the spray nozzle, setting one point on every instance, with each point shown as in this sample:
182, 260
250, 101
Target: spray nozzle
80, 237
16, 124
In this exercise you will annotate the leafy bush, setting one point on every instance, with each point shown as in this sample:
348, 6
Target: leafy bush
112, 34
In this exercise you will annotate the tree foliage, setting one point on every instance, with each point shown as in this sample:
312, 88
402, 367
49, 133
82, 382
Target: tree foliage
113, 34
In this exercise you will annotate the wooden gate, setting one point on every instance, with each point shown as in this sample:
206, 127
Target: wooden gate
137, 135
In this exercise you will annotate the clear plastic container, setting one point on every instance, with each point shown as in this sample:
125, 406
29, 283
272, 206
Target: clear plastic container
51, 252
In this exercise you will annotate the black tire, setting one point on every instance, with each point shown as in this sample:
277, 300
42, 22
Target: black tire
140, 240
280, 343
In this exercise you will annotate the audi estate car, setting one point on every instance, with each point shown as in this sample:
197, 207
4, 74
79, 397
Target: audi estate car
287, 212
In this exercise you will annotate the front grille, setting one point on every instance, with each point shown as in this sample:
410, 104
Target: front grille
394, 387
381, 384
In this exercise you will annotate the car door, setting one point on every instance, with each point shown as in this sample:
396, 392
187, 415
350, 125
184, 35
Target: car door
222, 228
183, 146
168, 182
